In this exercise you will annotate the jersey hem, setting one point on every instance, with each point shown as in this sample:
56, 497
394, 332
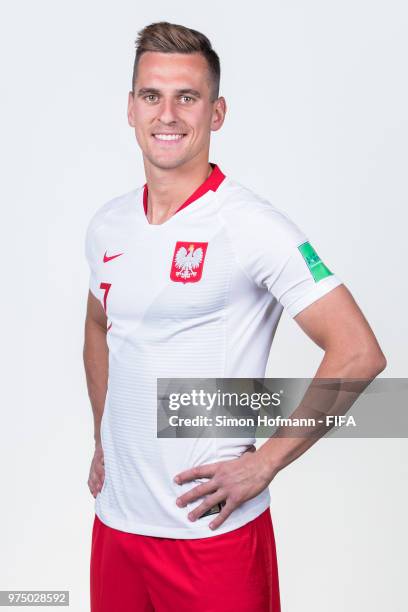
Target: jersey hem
184, 533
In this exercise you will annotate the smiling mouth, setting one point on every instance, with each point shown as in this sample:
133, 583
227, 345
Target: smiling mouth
169, 137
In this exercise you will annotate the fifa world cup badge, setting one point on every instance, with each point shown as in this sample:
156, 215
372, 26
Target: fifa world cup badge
188, 261
317, 268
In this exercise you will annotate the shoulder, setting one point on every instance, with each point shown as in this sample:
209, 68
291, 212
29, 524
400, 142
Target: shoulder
114, 207
246, 213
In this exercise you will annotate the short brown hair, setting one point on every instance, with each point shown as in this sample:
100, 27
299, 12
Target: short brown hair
167, 37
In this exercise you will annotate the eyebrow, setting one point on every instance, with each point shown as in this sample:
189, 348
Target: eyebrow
151, 90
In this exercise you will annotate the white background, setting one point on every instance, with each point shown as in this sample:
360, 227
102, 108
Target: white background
317, 122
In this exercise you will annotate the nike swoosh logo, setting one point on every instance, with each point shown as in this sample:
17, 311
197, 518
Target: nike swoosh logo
109, 257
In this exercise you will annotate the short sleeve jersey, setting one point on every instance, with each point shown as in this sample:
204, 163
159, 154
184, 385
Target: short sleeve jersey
198, 296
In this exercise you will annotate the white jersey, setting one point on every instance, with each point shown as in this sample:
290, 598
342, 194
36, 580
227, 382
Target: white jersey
198, 296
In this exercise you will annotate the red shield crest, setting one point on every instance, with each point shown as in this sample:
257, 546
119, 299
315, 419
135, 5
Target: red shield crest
188, 261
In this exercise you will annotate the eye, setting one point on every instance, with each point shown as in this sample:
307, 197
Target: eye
186, 99
150, 97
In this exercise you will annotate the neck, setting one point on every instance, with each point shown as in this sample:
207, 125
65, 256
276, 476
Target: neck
169, 188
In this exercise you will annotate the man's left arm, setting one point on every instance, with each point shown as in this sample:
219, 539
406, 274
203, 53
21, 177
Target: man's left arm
337, 325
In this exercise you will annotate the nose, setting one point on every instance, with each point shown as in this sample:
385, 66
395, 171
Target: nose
167, 111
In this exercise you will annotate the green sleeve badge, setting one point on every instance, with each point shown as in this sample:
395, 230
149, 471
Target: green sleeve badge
314, 263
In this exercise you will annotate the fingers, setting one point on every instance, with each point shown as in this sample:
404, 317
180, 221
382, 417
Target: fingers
196, 493
224, 514
95, 486
96, 478
209, 502
200, 471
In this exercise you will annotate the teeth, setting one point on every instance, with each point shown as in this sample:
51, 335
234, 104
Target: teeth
168, 136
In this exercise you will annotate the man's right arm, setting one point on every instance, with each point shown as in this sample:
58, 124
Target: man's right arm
95, 355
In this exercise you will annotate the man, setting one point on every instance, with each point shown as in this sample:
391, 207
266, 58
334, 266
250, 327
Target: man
189, 277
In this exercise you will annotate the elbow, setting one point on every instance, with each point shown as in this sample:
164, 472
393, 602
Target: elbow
380, 363
371, 362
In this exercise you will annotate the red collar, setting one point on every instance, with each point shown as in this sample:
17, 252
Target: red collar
211, 183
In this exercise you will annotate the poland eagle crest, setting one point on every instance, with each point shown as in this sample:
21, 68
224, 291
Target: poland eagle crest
188, 261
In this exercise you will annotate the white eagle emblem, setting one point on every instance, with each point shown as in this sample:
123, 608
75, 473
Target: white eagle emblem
187, 262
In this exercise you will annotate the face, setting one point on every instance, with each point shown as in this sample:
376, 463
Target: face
171, 109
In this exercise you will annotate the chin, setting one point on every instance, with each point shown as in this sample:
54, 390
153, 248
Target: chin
166, 164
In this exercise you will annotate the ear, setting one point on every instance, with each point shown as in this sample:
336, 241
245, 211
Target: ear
130, 109
219, 111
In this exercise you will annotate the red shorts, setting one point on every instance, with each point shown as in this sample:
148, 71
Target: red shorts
231, 572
